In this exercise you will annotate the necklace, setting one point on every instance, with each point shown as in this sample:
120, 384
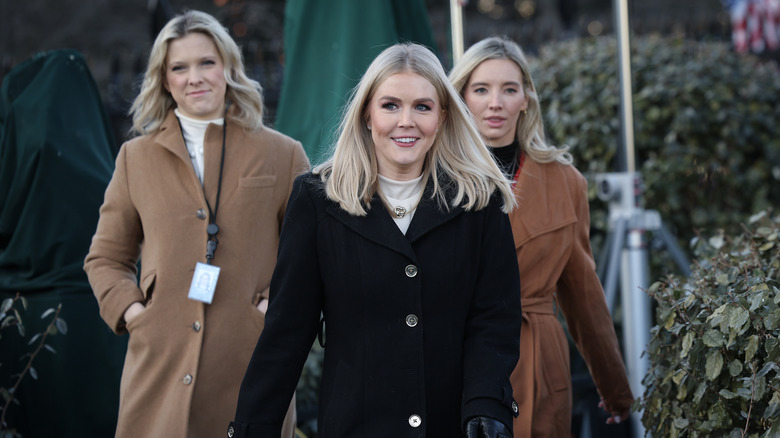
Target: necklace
400, 197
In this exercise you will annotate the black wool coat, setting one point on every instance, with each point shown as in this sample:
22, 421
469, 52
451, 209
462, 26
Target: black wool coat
422, 330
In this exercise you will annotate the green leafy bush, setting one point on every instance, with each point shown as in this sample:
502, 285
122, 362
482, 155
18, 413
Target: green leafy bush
11, 317
707, 137
714, 352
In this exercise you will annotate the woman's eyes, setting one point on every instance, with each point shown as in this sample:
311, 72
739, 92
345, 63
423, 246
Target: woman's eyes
483, 90
390, 106
207, 62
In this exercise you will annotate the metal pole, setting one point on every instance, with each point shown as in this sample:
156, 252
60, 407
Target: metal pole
635, 266
636, 310
456, 26
626, 104
629, 250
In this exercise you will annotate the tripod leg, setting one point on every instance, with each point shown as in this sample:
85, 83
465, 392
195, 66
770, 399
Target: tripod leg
678, 255
614, 261
603, 261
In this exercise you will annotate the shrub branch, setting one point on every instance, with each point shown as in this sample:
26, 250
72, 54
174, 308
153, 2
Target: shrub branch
27, 367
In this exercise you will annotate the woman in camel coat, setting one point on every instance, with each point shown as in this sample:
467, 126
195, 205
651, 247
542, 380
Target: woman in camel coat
185, 357
551, 235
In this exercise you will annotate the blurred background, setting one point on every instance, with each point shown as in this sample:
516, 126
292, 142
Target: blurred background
115, 35
706, 96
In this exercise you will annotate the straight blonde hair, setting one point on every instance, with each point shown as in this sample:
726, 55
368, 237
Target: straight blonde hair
154, 102
530, 127
458, 152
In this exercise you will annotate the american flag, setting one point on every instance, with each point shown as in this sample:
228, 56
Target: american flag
755, 24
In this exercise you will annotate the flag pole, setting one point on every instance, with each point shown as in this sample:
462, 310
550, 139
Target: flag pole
626, 103
456, 26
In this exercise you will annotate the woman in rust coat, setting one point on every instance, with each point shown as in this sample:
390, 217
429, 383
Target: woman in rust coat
551, 234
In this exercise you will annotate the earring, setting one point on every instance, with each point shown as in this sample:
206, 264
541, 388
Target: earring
368, 126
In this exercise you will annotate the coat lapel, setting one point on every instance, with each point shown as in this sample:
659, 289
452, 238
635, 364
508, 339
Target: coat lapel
429, 215
169, 137
542, 188
378, 227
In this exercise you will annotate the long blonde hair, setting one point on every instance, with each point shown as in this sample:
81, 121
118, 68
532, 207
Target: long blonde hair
153, 102
530, 127
458, 152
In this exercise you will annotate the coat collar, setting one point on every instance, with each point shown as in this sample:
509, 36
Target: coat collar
543, 201
378, 227
169, 134
169, 137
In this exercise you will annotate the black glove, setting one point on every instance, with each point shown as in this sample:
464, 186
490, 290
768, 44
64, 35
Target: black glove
486, 427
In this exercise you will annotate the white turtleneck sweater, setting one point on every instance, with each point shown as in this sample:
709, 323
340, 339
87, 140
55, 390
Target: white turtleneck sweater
404, 194
194, 134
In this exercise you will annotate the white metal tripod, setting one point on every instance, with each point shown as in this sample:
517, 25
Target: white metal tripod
626, 250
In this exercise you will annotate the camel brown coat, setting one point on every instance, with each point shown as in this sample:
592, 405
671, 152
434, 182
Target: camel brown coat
551, 231
186, 359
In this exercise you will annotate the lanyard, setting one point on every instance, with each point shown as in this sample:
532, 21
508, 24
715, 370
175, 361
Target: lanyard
212, 229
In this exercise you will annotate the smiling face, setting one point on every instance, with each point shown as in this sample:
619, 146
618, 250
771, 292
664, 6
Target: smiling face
495, 96
194, 75
403, 115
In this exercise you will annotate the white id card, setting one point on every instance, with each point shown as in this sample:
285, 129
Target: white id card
204, 282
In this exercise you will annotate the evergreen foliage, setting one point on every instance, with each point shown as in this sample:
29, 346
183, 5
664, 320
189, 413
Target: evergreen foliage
715, 351
706, 131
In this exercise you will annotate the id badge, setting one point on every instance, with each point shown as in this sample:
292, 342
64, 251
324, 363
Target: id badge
204, 282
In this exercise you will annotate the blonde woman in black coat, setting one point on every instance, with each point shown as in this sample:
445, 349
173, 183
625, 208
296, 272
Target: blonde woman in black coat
401, 240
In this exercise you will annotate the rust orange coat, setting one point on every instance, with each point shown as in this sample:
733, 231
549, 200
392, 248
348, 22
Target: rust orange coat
551, 232
186, 359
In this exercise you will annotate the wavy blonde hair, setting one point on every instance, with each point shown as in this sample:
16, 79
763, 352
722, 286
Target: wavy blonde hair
153, 102
458, 152
530, 127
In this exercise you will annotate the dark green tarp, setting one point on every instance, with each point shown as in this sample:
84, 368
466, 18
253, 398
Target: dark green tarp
56, 158
328, 45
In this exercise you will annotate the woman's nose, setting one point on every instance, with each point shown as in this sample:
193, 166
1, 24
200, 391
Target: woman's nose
406, 118
495, 102
194, 77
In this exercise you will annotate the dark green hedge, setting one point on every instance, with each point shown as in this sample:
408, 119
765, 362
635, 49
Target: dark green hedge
706, 122
715, 351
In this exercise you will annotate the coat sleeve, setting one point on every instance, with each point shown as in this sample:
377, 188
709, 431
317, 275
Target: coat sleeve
291, 323
492, 337
581, 298
299, 164
111, 264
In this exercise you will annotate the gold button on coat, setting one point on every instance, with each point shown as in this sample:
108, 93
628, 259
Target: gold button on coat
411, 271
